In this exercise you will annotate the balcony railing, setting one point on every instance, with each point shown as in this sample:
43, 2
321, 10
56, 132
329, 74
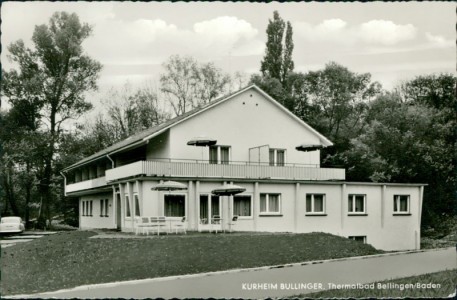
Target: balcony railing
86, 184
234, 170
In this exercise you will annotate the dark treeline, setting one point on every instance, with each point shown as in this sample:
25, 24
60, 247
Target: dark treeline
404, 135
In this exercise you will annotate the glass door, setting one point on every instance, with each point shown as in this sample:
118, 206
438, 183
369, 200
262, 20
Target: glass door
209, 208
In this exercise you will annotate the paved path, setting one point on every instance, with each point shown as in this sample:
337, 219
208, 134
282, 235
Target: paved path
277, 282
25, 236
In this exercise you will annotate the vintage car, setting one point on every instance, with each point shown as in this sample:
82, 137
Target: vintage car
11, 225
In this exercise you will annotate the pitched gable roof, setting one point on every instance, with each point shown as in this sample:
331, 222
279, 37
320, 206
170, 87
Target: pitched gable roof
145, 135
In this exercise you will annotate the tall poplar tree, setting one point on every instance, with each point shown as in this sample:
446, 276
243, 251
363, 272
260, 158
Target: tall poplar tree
277, 62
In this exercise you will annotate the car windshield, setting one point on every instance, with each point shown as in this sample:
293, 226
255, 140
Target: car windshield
11, 220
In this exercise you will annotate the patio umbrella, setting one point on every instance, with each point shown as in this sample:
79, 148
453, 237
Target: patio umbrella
202, 142
228, 190
308, 147
169, 186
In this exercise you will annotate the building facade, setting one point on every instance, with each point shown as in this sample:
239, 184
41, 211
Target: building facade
255, 142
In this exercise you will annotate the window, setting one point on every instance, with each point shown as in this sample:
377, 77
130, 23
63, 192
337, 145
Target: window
209, 207
356, 204
277, 157
401, 204
106, 208
84, 208
315, 204
137, 206
127, 206
359, 238
242, 206
175, 205
270, 203
102, 207
219, 155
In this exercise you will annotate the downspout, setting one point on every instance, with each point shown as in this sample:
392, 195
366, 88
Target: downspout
112, 161
65, 183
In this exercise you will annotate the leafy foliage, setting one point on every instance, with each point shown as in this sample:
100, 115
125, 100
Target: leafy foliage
277, 62
187, 84
48, 87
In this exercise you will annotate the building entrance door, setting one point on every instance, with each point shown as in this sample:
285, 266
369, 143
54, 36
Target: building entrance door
210, 212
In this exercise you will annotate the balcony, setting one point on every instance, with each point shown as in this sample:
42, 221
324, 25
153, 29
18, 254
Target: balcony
86, 185
234, 170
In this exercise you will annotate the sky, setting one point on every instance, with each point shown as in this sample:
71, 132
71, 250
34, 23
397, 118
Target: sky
392, 41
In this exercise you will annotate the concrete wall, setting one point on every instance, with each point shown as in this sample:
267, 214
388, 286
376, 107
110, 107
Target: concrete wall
159, 146
245, 121
379, 224
96, 221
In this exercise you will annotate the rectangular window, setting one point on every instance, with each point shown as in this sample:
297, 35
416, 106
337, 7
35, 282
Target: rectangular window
215, 210
270, 203
106, 208
213, 155
219, 155
90, 207
315, 204
359, 238
356, 204
401, 204
224, 155
127, 206
272, 157
102, 207
175, 205
242, 206
84, 208
137, 206
277, 157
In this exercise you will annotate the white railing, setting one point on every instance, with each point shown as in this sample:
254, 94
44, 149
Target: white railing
201, 170
86, 184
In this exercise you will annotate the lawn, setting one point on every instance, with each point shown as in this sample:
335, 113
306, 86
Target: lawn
69, 259
398, 288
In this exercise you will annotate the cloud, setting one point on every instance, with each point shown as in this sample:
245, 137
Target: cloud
226, 28
439, 40
374, 32
385, 32
154, 40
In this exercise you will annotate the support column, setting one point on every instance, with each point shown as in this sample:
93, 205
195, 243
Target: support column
159, 201
296, 201
343, 210
190, 199
419, 216
196, 220
383, 204
256, 204
122, 196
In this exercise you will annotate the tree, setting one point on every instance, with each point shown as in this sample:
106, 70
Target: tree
436, 91
277, 62
339, 98
408, 143
57, 74
188, 84
130, 111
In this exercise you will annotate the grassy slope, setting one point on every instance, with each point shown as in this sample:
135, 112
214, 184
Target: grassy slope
69, 259
447, 280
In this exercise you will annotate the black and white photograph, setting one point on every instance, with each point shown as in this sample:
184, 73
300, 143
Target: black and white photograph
250, 150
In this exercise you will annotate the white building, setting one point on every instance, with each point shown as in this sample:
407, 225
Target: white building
257, 139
